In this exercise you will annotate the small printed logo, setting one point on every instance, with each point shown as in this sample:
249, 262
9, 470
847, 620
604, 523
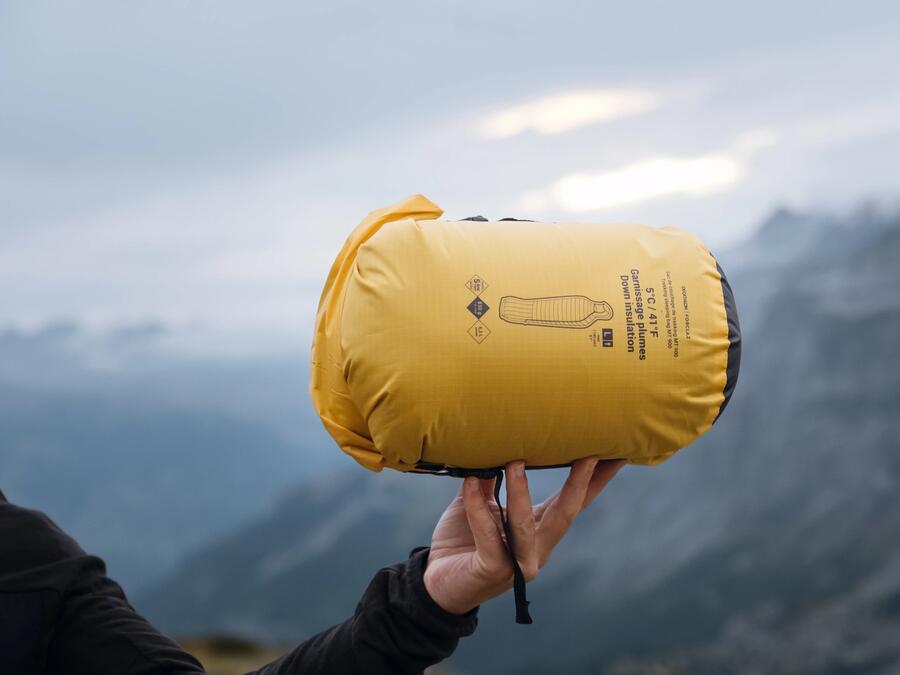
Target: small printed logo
476, 284
478, 307
607, 337
479, 332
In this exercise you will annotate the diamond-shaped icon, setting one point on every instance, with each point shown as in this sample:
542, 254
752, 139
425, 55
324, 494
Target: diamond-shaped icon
476, 284
478, 307
479, 332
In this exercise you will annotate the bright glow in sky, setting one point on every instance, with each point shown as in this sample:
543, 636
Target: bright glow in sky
647, 179
653, 178
566, 112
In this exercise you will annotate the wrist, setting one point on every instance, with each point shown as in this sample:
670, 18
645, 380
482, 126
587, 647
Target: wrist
435, 581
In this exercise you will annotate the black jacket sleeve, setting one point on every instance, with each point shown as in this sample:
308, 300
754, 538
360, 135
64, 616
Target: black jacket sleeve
397, 629
60, 614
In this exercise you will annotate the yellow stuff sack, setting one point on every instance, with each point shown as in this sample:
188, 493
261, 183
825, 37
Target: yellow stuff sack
468, 344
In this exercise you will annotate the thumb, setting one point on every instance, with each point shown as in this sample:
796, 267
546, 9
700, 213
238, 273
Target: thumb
485, 531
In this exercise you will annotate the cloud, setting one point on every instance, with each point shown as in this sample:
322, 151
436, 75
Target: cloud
652, 178
647, 179
753, 140
568, 111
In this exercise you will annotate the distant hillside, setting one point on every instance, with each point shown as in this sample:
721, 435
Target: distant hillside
770, 546
145, 457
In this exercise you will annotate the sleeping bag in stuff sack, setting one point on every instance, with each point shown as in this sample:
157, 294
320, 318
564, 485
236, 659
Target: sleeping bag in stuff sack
443, 345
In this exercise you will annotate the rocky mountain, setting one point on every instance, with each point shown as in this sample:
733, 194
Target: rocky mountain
772, 545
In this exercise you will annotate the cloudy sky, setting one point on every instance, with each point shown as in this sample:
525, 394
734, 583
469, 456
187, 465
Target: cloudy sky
199, 162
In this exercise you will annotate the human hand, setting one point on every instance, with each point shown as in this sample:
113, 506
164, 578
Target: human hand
469, 563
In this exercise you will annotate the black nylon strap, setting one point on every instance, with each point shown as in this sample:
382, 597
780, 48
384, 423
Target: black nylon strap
522, 614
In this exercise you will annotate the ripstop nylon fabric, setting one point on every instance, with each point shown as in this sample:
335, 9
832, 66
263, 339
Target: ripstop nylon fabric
472, 344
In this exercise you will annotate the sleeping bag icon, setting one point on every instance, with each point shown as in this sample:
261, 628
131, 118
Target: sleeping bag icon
560, 311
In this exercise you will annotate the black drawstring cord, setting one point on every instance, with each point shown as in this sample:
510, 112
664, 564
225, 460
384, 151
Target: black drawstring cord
522, 615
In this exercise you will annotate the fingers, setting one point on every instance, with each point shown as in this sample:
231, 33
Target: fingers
563, 507
603, 473
488, 541
521, 518
575, 489
487, 487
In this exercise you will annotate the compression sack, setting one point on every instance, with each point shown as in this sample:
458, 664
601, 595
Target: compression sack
467, 344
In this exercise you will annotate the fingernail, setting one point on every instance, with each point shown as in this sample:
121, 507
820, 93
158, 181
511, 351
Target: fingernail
519, 469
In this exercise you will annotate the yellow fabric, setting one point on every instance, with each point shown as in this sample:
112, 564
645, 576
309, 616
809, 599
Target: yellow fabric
471, 344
